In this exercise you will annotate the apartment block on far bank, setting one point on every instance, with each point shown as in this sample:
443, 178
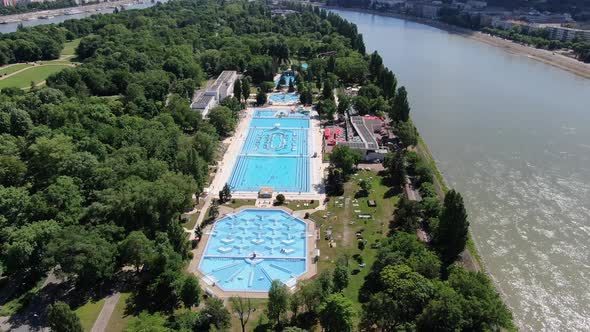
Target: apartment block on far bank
205, 99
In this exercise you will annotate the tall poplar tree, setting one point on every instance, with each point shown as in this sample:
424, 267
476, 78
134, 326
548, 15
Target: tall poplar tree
453, 228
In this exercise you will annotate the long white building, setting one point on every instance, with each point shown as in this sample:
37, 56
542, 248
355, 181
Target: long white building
223, 87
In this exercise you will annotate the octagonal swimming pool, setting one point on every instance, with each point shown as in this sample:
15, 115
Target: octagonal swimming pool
248, 250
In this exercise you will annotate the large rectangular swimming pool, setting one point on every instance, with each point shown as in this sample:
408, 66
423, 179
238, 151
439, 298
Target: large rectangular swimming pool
275, 154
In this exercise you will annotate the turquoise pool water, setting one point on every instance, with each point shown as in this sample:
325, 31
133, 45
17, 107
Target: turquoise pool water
275, 153
283, 174
248, 250
284, 98
281, 113
276, 141
296, 123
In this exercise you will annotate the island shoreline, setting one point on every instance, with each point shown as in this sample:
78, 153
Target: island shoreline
548, 57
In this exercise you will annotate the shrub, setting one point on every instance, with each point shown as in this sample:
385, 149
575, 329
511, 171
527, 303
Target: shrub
280, 199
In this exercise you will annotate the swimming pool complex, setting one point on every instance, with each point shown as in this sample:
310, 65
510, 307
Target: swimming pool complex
275, 154
287, 98
248, 250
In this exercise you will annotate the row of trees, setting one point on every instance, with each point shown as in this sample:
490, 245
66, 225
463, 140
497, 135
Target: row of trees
43, 42
540, 39
405, 291
415, 286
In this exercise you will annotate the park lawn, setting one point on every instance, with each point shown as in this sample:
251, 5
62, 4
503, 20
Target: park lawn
35, 74
57, 62
119, 319
192, 220
237, 203
344, 233
300, 205
70, 47
11, 69
89, 312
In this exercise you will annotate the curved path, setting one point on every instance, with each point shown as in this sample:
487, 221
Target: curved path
36, 66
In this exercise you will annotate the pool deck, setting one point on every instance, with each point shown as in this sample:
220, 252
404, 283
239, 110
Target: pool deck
215, 291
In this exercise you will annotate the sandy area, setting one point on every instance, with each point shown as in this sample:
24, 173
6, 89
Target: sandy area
548, 57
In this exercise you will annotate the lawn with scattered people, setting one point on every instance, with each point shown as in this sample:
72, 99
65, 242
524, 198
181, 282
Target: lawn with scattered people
341, 218
302, 205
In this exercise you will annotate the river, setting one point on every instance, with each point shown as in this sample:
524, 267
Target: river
513, 136
11, 27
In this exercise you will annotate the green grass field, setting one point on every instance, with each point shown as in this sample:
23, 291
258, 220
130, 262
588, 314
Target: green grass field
70, 47
344, 224
13, 68
36, 74
89, 312
236, 203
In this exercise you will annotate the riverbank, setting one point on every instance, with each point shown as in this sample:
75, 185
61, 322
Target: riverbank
549, 57
45, 14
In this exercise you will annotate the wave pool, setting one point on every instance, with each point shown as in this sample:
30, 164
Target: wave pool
248, 250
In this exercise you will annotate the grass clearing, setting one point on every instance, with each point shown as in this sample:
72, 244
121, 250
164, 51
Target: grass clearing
342, 217
34, 74
300, 205
70, 47
237, 203
89, 312
13, 68
192, 220
119, 319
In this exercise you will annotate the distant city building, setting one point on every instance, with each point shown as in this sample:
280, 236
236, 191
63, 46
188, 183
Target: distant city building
477, 4
205, 100
428, 10
566, 34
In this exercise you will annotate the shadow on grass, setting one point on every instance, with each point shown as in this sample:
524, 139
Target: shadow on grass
392, 192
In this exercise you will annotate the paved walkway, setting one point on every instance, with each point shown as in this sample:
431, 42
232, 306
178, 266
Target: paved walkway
100, 325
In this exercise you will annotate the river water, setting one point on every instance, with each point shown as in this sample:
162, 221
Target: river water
513, 136
11, 27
